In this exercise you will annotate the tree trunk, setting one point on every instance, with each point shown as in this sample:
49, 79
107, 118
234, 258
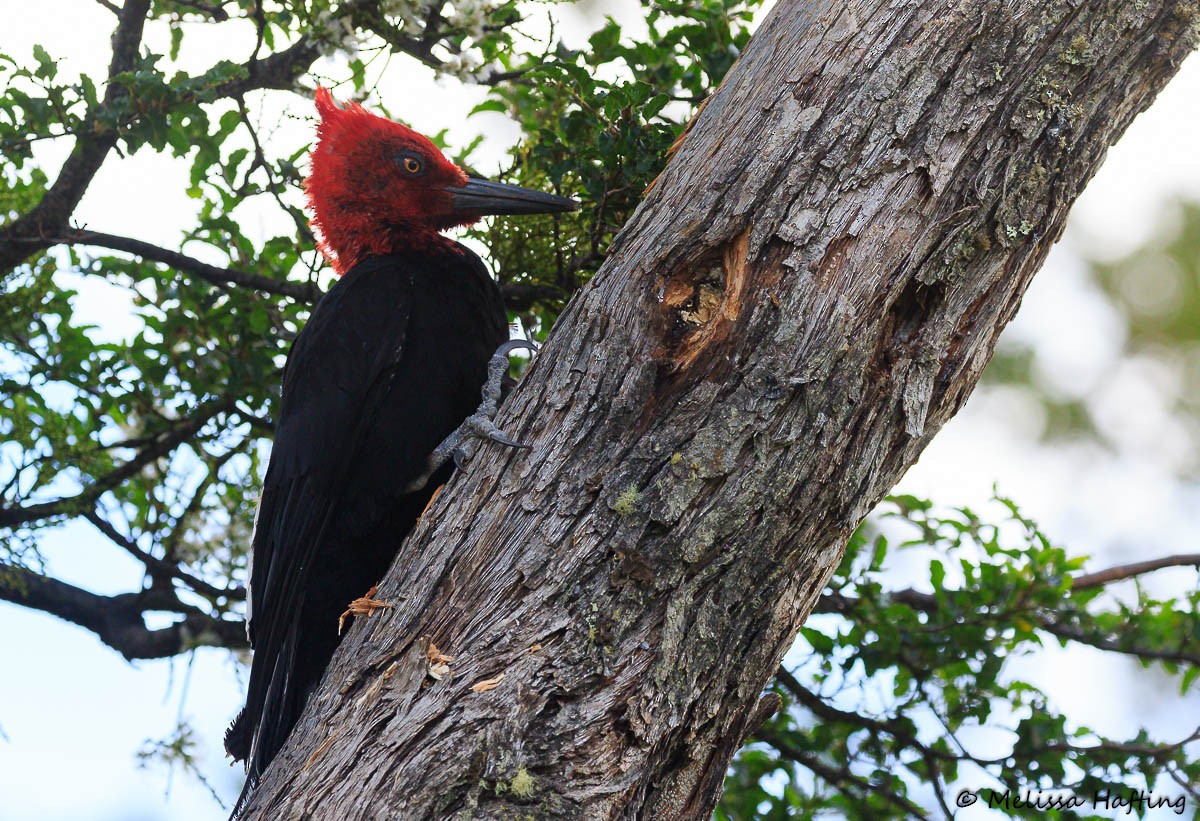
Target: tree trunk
807, 294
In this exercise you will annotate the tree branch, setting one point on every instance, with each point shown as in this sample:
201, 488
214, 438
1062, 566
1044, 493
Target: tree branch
279, 71
827, 712
1115, 644
840, 778
1129, 571
368, 16
118, 620
221, 277
161, 445
523, 296
161, 568
517, 296
839, 603
214, 10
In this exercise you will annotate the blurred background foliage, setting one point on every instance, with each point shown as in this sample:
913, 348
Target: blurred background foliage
1152, 297
151, 426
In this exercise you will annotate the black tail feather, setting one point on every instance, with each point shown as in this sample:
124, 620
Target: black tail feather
238, 738
258, 733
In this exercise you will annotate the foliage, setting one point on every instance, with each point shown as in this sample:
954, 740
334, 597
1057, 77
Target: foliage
152, 427
1152, 296
899, 696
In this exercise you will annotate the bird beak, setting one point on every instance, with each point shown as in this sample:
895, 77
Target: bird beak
482, 197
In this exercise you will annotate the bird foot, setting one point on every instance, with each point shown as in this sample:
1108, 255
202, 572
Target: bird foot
363, 606
461, 444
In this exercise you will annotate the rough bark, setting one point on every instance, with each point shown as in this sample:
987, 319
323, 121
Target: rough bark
805, 297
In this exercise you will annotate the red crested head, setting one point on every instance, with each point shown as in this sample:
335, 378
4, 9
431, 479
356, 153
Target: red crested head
376, 187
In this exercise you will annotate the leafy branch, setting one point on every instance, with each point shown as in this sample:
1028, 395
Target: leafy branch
158, 447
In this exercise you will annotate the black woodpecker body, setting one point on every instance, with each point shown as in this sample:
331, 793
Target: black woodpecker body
390, 363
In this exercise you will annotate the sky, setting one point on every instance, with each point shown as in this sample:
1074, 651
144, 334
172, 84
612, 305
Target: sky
73, 714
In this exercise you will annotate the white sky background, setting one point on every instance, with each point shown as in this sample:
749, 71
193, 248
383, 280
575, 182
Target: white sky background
73, 713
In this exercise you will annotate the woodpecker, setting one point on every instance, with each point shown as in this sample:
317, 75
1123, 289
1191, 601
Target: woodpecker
390, 363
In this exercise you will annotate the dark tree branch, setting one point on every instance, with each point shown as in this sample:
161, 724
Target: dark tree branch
1151, 751
827, 712
158, 568
495, 78
840, 778
835, 602
842, 604
214, 10
221, 277
279, 71
517, 296
282, 69
368, 16
1116, 644
523, 296
118, 620
1129, 571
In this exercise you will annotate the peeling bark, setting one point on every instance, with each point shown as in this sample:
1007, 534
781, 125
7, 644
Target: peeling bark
807, 294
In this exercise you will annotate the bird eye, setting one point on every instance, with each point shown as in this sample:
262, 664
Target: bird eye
411, 164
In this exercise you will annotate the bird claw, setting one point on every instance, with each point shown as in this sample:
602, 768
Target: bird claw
459, 445
502, 438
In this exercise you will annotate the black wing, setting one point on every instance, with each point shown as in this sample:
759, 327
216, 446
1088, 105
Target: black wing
390, 363
338, 371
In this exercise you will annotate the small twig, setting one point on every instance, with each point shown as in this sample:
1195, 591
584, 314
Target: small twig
1128, 571
159, 567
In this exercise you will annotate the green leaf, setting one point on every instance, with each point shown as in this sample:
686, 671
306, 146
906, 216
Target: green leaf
47, 67
490, 105
656, 104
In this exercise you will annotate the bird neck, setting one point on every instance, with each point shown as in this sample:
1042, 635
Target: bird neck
345, 247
